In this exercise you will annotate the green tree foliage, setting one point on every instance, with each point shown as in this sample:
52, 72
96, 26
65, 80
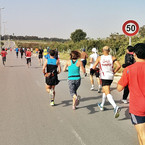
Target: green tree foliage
78, 35
142, 31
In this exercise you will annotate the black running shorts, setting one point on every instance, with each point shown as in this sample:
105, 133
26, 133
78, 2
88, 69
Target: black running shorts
28, 60
137, 119
106, 82
94, 71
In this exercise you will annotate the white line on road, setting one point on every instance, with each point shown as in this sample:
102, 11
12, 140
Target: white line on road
78, 137
38, 83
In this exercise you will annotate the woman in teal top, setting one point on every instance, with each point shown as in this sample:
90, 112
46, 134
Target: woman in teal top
74, 79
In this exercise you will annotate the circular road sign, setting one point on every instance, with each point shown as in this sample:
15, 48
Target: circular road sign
130, 28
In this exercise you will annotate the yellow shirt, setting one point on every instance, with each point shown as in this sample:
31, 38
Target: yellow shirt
45, 52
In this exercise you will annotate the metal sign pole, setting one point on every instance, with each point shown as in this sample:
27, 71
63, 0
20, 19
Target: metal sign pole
129, 40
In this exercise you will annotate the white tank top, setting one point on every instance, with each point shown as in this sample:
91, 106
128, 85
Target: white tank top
106, 67
94, 57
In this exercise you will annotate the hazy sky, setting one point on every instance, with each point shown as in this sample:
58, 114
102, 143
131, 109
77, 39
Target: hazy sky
59, 18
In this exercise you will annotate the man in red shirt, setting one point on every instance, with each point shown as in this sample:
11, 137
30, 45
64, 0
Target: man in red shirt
134, 77
3, 54
28, 57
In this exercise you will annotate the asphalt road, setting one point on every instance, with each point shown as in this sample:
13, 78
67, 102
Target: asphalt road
26, 118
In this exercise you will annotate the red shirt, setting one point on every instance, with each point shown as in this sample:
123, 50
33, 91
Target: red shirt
3, 53
134, 77
28, 54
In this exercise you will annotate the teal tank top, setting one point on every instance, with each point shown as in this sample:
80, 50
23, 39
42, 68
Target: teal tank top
73, 71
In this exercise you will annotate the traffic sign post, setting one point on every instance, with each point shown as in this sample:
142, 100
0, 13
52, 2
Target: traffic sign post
130, 28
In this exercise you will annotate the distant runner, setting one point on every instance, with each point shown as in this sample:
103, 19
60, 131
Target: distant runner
17, 51
21, 51
93, 58
3, 54
84, 57
40, 56
51, 65
28, 57
45, 52
106, 62
74, 78
129, 60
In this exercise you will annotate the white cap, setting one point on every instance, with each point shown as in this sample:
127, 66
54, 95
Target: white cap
94, 50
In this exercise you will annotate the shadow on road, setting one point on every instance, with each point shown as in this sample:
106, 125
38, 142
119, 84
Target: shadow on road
15, 66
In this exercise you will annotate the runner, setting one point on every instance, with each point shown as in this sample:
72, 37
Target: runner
93, 58
3, 54
51, 64
17, 51
107, 74
28, 57
129, 60
40, 56
74, 79
134, 77
84, 57
45, 53
21, 51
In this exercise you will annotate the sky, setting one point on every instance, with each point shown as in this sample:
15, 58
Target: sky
59, 18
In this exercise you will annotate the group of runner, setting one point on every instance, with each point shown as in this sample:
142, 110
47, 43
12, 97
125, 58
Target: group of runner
132, 80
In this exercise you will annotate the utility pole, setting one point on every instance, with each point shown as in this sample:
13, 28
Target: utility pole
4, 30
0, 27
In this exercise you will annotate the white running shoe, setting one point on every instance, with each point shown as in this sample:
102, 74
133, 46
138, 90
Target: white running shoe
92, 88
100, 107
99, 90
124, 101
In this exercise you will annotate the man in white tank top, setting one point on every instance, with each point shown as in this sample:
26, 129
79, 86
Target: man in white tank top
107, 72
93, 58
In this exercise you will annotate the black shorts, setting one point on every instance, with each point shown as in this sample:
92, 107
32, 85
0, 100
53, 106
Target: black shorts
4, 58
137, 119
84, 62
40, 56
28, 60
52, 81
94, 71
106, 82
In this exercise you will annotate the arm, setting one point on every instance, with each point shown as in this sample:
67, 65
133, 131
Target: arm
123, 81
91, 59
117, 64
120, 88
44, 66
96, 63
59, 67
82, 67
66, 65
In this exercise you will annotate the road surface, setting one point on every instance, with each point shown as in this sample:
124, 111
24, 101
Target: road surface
26, 118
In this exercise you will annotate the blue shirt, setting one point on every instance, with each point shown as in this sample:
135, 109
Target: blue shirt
73, 71
17, 50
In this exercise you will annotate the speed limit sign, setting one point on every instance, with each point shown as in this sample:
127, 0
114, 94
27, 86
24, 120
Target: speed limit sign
130, 28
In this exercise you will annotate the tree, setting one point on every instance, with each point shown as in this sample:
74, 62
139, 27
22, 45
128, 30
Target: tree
78, 35
142, 31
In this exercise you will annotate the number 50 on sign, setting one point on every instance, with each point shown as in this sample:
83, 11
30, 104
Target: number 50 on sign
130, 28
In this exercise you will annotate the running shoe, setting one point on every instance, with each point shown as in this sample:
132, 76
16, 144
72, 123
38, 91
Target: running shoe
100, 107
124, 101
52, 103
78, 100
99, 90
116, 111
92, 88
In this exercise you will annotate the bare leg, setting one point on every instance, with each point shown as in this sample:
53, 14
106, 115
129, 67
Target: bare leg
140, 128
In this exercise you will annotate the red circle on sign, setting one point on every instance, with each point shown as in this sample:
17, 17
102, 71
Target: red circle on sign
130, 34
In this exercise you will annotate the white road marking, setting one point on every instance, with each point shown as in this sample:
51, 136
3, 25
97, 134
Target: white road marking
78, 137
